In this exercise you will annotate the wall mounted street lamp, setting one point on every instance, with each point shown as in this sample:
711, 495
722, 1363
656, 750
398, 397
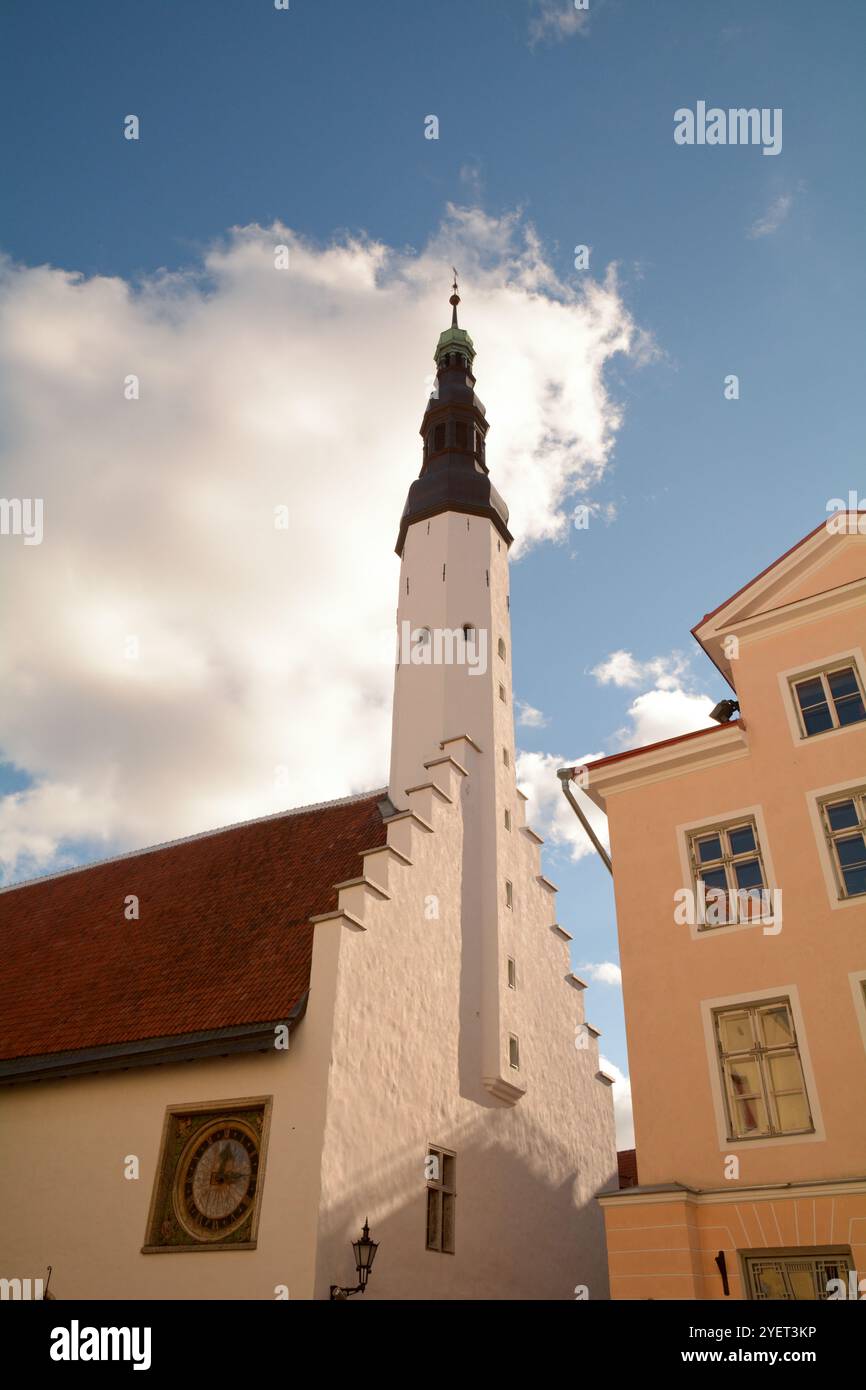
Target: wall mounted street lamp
723, 712
365, 1253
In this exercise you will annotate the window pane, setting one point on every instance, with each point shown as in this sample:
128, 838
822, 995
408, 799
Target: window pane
448, 1171
801, 1277
709, 849
843, 682
793, 1113
851, 850
785, 1072
745, 1075
769, 1281
842, 814
855, 881
817, 719
777, 1027
850, 710
750, 1117
448, 1222
742, 839
715, 878
810, 693
749, 874
433, 1197
735, 1032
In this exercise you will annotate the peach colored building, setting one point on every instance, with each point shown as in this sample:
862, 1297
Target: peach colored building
221, 1056
739, 859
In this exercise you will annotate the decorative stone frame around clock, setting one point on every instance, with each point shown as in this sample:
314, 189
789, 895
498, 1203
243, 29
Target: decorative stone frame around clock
164, 1233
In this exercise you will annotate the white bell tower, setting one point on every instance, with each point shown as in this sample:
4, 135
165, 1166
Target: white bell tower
452, 692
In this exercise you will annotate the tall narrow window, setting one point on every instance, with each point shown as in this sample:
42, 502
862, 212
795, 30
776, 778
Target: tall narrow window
762, 1076
438, 438
845, 828
502, 693
512, 973
507, 820
830, 699
501, 645
509, 894
441, 1169
505, 757
513, 1052
462, 435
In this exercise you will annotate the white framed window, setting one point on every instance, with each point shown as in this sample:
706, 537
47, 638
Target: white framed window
763, 1084
727, 859
858, 989
514, 1051
512, 973
832, 811
843, 819
729, 853
441, 1199
827, 697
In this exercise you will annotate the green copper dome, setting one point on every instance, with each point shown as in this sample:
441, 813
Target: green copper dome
455, 339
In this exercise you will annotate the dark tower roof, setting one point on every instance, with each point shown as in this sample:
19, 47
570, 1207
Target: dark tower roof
454, 475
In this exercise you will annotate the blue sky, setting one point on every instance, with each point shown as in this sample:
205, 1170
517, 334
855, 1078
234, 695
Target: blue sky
733, 262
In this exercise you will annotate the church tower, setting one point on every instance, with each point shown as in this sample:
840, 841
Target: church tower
453, 694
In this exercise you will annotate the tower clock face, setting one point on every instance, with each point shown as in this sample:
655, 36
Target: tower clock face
216, 1180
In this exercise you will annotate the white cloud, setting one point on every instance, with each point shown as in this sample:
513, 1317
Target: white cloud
661, 714
667, 710
555, 20
621, 1104
260, 648
547, 810
622, 669
773, 218
529, 717
605, 972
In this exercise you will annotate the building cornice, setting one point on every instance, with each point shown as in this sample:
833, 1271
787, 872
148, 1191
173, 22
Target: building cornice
766, 1192
672, 758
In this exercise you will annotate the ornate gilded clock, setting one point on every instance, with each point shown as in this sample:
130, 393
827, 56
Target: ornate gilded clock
209, 1180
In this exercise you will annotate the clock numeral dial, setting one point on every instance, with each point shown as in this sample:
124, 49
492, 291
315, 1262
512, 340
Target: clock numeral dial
216, 1179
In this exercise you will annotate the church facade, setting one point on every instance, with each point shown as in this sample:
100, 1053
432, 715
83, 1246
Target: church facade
361, 1011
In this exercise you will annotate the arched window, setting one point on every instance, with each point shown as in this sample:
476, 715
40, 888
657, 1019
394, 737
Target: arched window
438, 438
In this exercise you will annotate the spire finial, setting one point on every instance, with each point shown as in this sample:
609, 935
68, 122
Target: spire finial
454, 300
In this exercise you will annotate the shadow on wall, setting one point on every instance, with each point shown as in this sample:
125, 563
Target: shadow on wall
518, 1234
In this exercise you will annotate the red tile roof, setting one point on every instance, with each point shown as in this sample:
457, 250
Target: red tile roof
223, 937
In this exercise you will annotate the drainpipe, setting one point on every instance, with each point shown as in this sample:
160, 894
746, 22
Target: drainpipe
565, 774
